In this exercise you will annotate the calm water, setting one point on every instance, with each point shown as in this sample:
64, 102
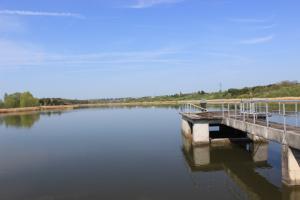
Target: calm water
126, 153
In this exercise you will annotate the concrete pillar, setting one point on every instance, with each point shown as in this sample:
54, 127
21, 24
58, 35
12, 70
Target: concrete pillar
290, 167
259, 151
200, 133
201, 155
186, 128
256, 138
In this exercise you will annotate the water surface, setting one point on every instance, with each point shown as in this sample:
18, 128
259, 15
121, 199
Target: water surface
126, 153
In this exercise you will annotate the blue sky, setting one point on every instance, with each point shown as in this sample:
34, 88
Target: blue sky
116, 48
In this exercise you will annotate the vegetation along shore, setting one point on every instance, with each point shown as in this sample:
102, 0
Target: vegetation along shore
24, 102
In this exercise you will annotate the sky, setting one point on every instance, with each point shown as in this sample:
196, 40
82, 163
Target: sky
89, 49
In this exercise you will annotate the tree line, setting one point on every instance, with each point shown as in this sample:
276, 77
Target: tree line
26, 99
281, 89
19, 100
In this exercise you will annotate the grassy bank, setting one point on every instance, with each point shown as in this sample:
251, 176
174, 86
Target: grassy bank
121, 104
284, 90
79, 106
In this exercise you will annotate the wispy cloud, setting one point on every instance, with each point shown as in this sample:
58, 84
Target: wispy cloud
267, 26
258, 40
19, 55
140, 4
10, 24
252, 20
39, 13
248, 20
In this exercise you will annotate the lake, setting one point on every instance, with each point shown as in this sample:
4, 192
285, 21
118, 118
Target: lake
126, 153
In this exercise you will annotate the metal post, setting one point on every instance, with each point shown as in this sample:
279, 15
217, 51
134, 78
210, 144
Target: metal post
223, 114
244, 113
249, 107
279, 104
246, 109
241, 109
284, 118
267, 114
296, 110
228, 110
235, 111
253, 111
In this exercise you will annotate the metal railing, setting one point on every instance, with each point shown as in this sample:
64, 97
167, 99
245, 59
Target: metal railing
192, 108
255, 111
263, 109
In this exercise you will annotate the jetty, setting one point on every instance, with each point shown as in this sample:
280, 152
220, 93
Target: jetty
260, 120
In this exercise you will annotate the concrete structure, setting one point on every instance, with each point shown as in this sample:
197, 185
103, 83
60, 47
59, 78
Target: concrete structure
290, 167
200, 133
251, 118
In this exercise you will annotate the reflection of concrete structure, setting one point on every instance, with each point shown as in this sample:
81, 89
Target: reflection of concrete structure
259, 151
201, 155
291, 193
238, 164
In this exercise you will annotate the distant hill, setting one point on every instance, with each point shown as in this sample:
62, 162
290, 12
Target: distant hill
282, 89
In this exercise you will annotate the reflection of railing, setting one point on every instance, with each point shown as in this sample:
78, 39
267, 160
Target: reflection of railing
192, 108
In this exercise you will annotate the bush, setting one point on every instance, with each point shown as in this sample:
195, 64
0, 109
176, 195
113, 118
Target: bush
12, 100
1, 104
27, 100
18, 100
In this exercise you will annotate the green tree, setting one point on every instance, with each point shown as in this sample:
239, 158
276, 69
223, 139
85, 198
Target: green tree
12, 100
27, 100
1, 104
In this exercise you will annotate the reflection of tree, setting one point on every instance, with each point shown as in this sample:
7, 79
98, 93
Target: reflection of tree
25, 120
20, 121
50, 113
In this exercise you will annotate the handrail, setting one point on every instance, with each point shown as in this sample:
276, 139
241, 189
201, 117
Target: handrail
192, 108
254, 109
199, 107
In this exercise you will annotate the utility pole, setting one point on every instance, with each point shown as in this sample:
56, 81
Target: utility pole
221, 87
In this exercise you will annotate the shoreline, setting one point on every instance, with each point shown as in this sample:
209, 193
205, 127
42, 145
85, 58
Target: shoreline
154, 103
82, 106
